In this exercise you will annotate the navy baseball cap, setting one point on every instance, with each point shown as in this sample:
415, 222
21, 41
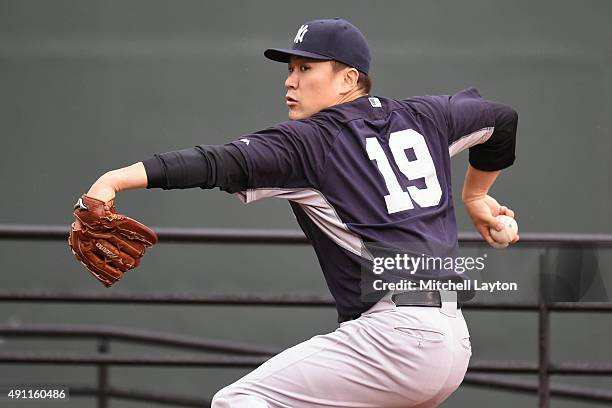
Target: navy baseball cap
330, 39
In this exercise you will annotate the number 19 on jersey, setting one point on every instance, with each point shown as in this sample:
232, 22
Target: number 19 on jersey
422, 167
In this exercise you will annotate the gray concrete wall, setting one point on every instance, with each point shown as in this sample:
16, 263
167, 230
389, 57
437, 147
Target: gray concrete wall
88, 86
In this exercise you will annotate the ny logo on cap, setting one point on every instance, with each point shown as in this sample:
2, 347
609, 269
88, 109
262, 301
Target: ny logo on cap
299, 37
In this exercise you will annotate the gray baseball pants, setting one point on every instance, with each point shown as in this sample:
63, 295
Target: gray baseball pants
390, 357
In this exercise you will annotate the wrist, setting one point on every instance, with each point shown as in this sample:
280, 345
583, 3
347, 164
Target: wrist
477, 184
473, 196
103, 189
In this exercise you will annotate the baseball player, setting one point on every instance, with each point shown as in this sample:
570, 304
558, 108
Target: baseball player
365, 175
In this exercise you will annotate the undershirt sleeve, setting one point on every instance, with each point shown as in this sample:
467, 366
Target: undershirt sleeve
498, 152
203, 166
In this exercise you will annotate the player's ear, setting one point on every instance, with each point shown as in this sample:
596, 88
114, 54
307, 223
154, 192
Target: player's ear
350, 79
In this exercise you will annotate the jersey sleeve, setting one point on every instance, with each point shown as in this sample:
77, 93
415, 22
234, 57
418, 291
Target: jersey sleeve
465, 118
283, 158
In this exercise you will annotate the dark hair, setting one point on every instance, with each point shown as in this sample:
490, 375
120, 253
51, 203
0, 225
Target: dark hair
363, 82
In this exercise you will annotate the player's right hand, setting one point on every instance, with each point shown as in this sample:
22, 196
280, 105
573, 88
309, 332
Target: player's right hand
482, 211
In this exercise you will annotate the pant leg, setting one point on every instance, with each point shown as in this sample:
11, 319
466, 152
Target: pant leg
389, 357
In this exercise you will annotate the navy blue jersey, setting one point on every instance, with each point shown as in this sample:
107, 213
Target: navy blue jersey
374, 170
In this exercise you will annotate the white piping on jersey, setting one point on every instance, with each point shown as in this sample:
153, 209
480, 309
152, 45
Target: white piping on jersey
477, 137
318, 209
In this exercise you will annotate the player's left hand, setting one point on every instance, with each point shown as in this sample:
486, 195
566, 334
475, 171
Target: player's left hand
106, 243
482, 211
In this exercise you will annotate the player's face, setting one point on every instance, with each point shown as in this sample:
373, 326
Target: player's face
311, 85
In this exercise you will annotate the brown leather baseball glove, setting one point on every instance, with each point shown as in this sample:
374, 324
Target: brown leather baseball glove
107, 244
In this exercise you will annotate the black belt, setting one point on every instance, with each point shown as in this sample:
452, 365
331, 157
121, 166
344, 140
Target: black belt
430, 298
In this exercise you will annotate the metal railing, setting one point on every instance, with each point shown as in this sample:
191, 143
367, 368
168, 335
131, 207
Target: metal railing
233, 354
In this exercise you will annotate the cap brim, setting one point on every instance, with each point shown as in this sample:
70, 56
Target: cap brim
283, 54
